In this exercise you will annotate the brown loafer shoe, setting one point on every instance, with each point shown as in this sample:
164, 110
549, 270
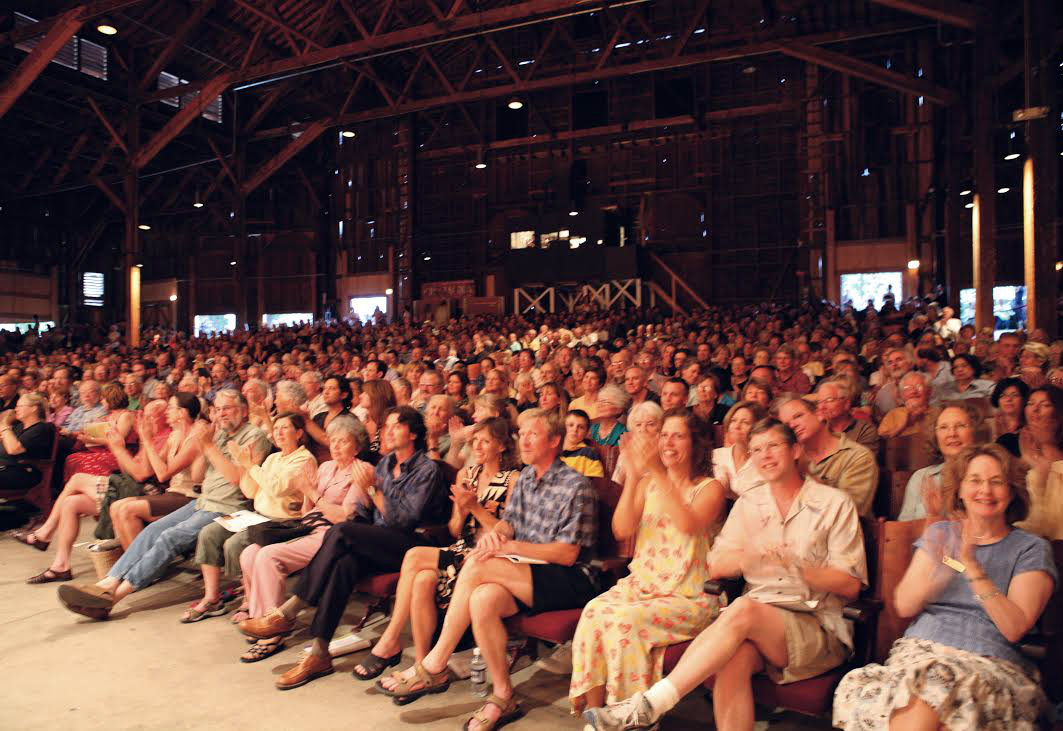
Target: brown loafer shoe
272, 625
85, 595
309, 668
49, 575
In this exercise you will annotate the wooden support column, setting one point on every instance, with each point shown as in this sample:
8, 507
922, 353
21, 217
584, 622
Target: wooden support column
957, 224
984, 226
832, 285
404, 155
243, 267
131, 251
911, 231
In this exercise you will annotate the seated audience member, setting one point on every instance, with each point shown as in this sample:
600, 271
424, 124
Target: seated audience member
645, 417
833, 459
550, 516
133, 386
96, 458
430, 383
312, 383
457, 386
1009, 399
907, 419
674, 394
671, 505
965, 382
834, 400
592, 381
484, 406
8, 392
799, 572
950, 428
931, 361
1039, 441
402, 391
552, 398
335, 401
788, 377
524, 386
896, 362
1033, 362
437, 414
24, 435
59, 408
179, 464
276, 490
1045, 485
759, 393
709, 410
166, 539
637, 387
607, 428
430, 574
378, 398
259, 403
575, 451
82, 496
975, 587
406, 492
343, 483
288, 398
731, 464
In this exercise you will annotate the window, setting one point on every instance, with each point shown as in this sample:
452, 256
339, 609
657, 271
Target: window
363, 308
1009, 308
24, 327
213, 111
92, 289
85, 56
863, 286
214, 324
288, 318
522, 240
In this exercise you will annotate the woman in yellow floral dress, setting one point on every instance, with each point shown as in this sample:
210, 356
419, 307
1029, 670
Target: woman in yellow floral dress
675, 510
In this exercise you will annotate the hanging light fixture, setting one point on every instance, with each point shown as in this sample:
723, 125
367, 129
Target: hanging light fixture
144, 227
198, 203
481, 159
106, 28
515, 103
349, 133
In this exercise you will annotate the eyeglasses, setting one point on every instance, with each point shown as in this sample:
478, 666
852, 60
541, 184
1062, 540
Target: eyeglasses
978, 482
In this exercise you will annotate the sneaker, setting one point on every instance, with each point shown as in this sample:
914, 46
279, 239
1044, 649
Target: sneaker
633, 714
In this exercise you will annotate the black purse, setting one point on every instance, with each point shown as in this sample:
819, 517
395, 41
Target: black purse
282, 531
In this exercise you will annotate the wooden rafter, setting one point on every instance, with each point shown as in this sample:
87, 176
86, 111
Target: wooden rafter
506, 65
184, 117
684, 37
64, 169
222, 161
109, 192
617, 35
541, 53
85, 12
869, 72
42, 158
107, 124
287, 28
271, 99
38, 59
180, 36
952, 12
293, 148
356, 21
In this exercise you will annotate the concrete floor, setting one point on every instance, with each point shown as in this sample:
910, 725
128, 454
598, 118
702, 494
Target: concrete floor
142, 669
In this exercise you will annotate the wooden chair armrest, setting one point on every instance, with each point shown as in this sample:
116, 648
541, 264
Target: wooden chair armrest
435, 535
862, 610
611, 565
730, 589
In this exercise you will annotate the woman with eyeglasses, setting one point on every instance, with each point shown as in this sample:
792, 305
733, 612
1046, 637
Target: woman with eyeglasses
976, 585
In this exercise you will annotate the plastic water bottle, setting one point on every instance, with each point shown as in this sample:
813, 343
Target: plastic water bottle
478, 673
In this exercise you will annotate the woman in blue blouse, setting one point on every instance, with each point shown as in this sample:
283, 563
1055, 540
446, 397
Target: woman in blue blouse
975, 587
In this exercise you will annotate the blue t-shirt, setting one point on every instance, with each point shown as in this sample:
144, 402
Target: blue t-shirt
956, 618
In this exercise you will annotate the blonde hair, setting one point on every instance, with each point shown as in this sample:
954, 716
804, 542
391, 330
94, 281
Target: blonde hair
1014, 470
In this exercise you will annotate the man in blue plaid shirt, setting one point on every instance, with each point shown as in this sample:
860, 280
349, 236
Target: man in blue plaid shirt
535, 559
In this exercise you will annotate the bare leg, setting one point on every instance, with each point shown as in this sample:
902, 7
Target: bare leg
423, 614
732, 698
516, 578
593, 698
760, 624
129, 516
211, 585
490, 603
916, 716
79, 484
74, 507
417, 560
292, 607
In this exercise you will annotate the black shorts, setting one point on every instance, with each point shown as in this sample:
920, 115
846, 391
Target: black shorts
557, 587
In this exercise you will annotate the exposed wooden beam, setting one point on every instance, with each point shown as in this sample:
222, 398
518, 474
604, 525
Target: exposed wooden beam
107, 124
293, 148
85, 12
869, 72
953, 12
252, 46
272, 97
180, 36
46, 153
184, 117
221, 159
74, 152
461, 25
64, 27
353, 17
684, 37
107, 191
274, 19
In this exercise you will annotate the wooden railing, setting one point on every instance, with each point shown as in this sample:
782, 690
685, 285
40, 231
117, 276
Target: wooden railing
675, 284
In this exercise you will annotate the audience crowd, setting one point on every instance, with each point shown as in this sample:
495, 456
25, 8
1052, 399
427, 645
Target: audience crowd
469, 458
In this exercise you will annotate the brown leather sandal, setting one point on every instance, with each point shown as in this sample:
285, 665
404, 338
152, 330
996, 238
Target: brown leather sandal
427, 683
511, 711
49, 575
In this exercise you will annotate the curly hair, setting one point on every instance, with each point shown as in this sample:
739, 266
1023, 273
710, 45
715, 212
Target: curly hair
700, 442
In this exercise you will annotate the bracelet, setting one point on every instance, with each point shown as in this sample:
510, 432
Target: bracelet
988, 595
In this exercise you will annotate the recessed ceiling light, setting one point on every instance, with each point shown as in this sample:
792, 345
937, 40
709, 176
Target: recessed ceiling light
197, 204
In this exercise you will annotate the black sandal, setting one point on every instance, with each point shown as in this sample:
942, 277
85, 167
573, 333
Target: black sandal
261, 650
29, 538
375, 665
49, 575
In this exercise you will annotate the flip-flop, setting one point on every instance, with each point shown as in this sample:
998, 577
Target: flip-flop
215, 609
260, 651
374, 665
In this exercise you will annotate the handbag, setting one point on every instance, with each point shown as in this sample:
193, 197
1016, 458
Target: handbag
282, 531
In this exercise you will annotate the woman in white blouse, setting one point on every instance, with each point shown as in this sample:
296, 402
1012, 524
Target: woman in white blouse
730, 463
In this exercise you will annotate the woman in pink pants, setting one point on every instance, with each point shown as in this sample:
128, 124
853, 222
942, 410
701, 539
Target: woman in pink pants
342, 483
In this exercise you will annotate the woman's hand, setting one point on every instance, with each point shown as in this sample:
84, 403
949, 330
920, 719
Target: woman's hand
642, 453
464, 496
932, 498
458, 430
113, 439
203, 432
145, 428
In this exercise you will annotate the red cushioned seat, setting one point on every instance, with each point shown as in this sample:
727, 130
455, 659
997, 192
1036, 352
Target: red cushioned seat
672, 655
380, 585
557, 627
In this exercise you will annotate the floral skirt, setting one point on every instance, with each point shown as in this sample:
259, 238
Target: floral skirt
967, 691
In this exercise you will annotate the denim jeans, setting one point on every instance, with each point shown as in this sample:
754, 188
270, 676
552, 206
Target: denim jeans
160, 543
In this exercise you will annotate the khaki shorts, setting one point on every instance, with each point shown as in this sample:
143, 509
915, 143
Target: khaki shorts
811, 649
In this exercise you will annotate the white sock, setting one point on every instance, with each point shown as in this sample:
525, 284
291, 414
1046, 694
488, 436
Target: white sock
662, 697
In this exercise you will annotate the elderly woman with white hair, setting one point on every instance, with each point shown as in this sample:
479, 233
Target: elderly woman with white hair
646, 418
907, 419
611, 403
342, 483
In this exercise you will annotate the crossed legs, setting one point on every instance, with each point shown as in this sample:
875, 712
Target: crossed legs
78, 499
